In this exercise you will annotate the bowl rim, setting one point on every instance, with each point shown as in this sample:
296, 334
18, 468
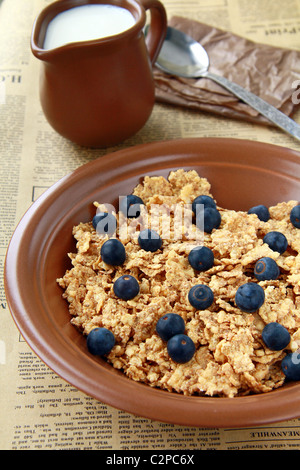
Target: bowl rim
278, 405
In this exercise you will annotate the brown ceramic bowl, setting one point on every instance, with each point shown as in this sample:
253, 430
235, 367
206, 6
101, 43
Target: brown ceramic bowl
242, 174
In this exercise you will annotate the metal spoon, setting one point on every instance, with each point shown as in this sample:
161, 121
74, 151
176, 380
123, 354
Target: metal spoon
182, 56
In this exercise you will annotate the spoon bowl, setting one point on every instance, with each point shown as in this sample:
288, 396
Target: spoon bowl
182, 56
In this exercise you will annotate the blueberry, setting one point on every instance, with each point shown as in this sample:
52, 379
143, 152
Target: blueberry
249, 297
290, 366
181, 348
100, 341
275, 336
113, 252
261, 211
266, 269
295, 216
276, 241
169, 325
212, 219
201, 296
130, 206
103, 222
126, 287
201, 258
204, 200
149, 240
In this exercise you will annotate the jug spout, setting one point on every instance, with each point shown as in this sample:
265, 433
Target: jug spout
39, 33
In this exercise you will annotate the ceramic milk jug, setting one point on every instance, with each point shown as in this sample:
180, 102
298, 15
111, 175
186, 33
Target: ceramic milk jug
98, 91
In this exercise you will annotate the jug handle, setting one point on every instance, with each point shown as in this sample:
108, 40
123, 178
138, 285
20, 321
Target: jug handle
158, 27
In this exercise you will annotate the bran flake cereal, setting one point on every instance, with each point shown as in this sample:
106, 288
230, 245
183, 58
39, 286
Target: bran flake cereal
231, 358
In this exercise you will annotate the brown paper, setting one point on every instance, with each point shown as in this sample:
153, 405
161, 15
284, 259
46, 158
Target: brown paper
266, 71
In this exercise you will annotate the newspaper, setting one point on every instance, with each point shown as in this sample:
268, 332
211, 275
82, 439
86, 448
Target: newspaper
39, 410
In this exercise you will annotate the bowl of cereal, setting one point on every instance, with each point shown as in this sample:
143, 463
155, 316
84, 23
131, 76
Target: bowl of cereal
148, 280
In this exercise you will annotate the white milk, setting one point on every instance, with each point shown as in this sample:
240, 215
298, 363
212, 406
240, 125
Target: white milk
87, 22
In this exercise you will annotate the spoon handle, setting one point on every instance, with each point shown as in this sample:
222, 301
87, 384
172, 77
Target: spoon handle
264, 108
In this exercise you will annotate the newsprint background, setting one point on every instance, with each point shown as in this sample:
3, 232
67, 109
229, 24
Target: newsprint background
38, 409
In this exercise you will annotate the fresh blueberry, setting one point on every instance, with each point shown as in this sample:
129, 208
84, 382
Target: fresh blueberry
126, 287
169, 325
266, 269
295, 216
261, 211
276, 241
201, 296
131, 206
249, 297
149, 240
103, 222
212, 219
275, 336
203, 201
290, 366
113, 252
201, 258
100, 341
181, 348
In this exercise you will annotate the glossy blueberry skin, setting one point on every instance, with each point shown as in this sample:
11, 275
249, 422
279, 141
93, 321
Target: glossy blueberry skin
261, 211
275, 336
113, 252
105, 223
169, 325
126, 287
277, 241
200, 296
212, 219
100, 341
295, 216
149, 240
266, 269
290, 366
249, 297
203, 200
130, 206
201, 258
181, 348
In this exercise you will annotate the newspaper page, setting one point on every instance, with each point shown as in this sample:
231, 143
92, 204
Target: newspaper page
39, 410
